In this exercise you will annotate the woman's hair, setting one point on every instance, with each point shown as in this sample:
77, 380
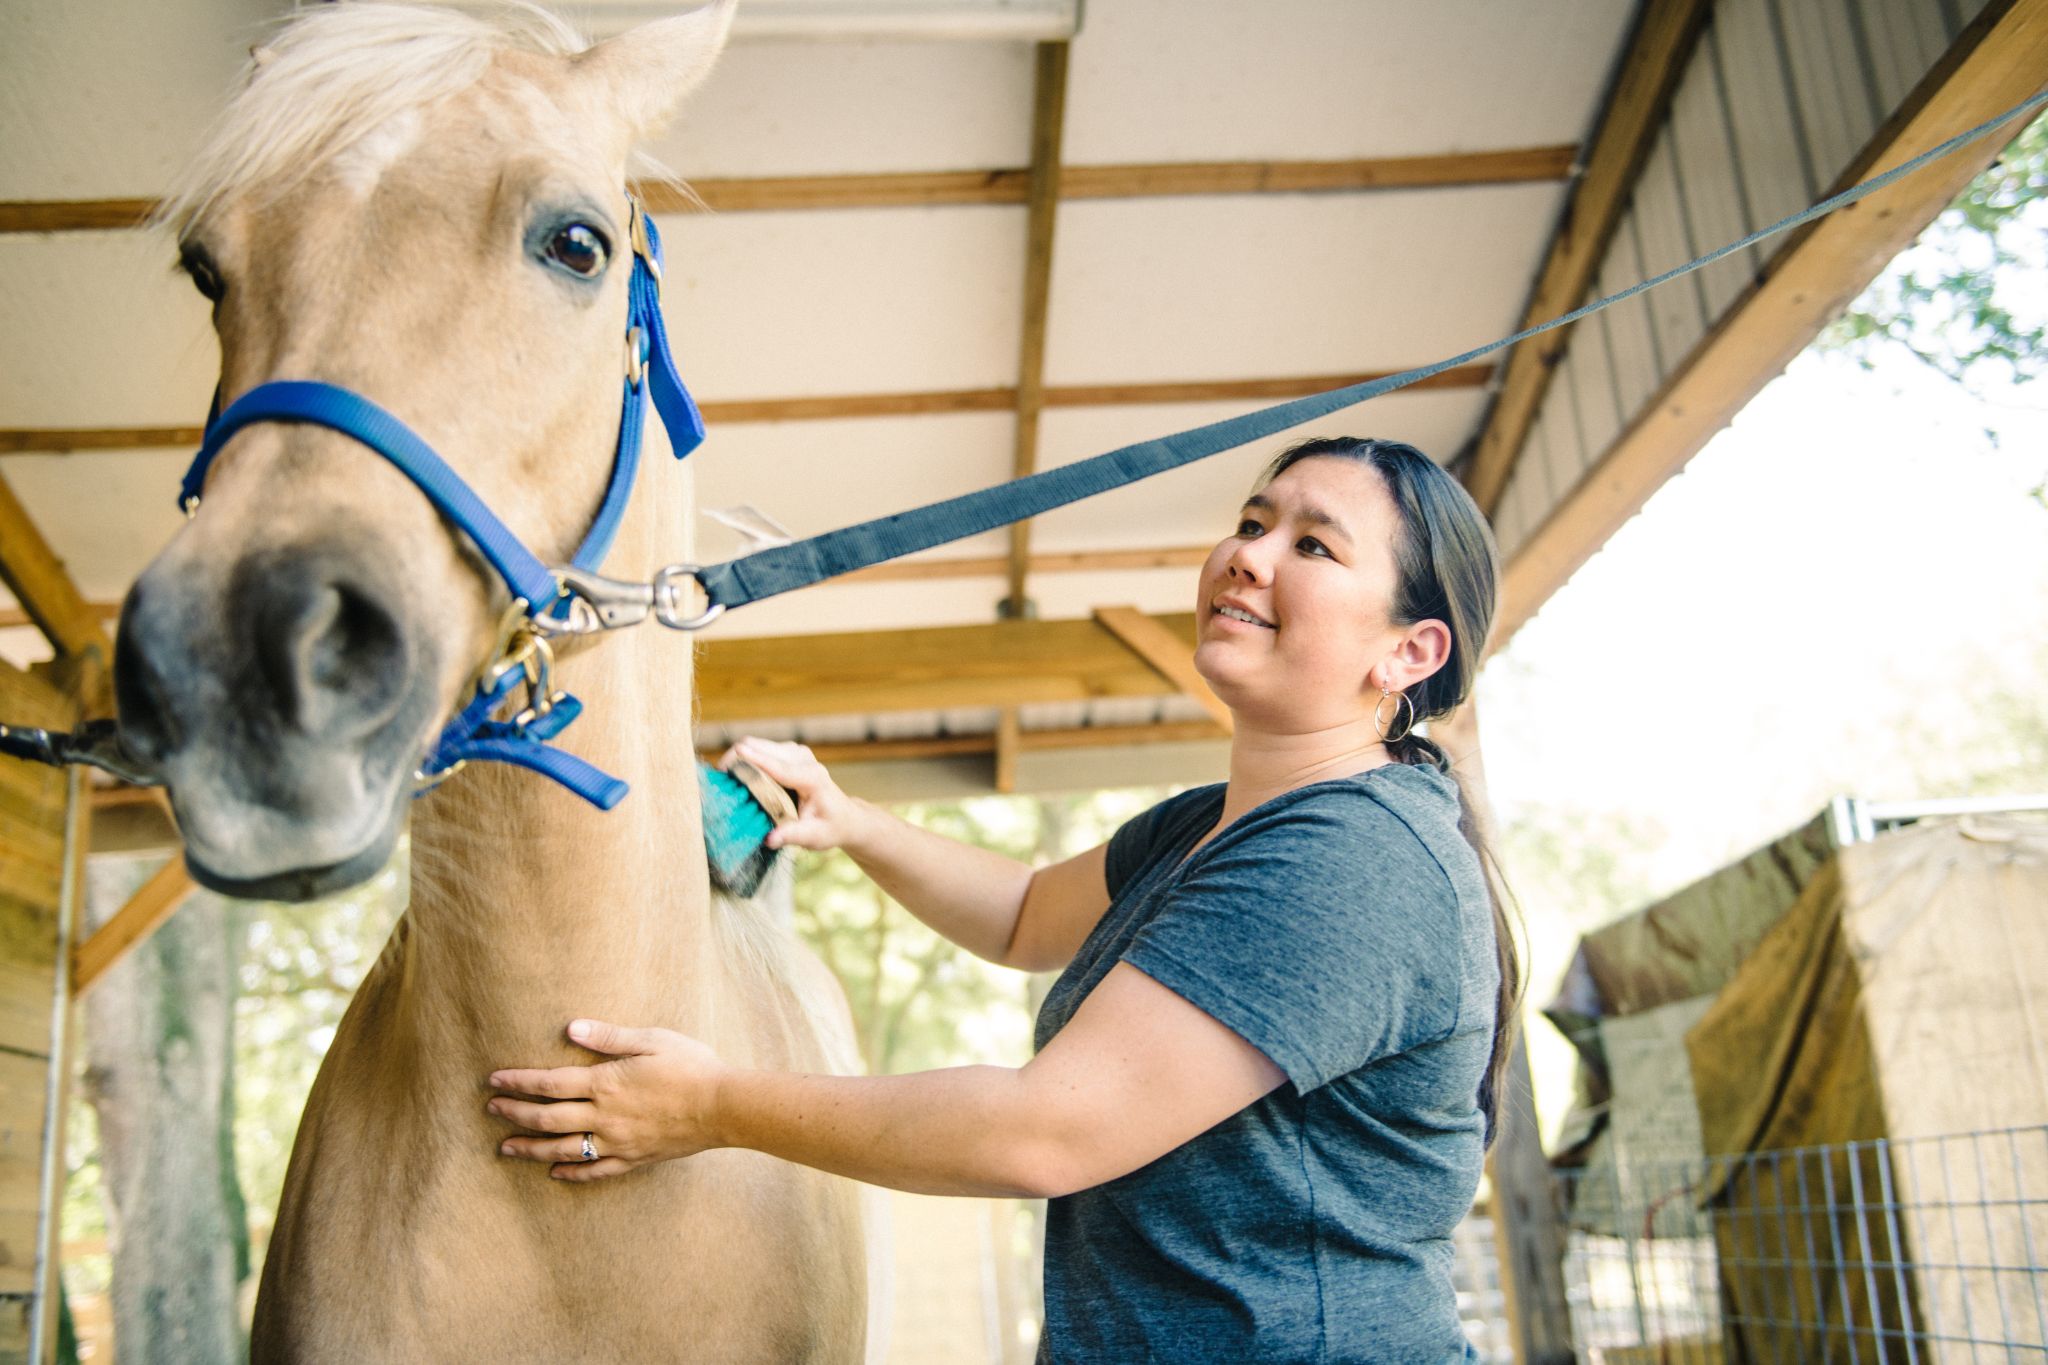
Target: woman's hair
1446, 569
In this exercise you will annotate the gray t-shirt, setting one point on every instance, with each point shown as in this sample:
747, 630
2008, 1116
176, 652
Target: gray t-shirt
1344, 930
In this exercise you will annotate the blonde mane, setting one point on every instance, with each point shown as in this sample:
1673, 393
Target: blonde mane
336, 74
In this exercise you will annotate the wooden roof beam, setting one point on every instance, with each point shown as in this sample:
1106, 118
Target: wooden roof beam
38, 580
1167, 652
1048, 120
1003, 663
2000, 59
72, 440
757, 194
1657, 54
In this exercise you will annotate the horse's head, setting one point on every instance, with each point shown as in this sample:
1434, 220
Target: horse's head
430, 211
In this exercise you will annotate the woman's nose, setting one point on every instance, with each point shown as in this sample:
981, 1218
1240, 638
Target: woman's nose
1249, 561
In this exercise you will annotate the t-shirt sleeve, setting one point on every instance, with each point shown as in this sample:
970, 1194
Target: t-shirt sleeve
1134, 840
1325, 934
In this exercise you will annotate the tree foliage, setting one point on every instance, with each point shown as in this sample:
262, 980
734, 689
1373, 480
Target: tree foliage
1965, 299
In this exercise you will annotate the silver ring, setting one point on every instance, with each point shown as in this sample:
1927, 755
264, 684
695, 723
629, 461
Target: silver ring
589, 1148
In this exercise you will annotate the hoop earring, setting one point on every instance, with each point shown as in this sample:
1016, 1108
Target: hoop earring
1380, 723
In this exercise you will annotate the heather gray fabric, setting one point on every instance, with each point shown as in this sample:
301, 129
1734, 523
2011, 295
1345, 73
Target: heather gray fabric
1344, 930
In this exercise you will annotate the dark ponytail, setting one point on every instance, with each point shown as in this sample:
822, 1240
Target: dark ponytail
1447, 569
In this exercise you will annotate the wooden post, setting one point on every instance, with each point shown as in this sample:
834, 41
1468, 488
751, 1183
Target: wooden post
1529, 1232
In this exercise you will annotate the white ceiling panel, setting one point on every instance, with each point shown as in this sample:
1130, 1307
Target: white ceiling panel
100, 100
818, 476
1250, 286
778, 305
100, 332
1222, 80
778, 108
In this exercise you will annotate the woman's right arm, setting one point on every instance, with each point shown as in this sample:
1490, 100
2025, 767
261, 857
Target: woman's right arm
995, 907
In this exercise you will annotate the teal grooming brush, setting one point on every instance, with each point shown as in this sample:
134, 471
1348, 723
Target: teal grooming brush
740, 807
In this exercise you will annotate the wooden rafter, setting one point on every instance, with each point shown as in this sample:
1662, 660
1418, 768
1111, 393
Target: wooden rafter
2000, 59
1027, 742
1649, 73
38, 581
71, 440
1166, 651
938, 188
1048, 119
1002, 663
154, 902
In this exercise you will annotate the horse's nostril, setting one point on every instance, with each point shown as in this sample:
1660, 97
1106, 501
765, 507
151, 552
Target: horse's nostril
149, 725
332, 654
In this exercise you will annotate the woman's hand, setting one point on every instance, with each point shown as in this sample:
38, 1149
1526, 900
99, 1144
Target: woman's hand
826, 816
655, 1103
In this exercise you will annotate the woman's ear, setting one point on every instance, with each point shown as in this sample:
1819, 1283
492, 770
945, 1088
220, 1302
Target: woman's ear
1421, 651
650, 68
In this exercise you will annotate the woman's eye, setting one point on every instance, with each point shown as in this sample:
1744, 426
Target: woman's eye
205, 278
1314, 546
580, 249
1249, 527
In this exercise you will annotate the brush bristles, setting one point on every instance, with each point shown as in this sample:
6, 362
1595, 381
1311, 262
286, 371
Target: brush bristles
735, 831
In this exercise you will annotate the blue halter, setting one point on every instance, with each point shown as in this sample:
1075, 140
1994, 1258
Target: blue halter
540, 596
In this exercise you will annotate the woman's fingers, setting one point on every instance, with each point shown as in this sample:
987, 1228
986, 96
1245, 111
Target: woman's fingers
590, 1170
558, 1083
615, 1041
567, 1116
548, 1149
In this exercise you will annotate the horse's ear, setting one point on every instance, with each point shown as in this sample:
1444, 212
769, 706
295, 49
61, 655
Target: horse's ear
651, 68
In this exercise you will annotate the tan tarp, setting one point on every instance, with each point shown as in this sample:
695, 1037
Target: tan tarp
1904, 996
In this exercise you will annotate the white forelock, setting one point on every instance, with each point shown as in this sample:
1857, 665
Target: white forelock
336, 74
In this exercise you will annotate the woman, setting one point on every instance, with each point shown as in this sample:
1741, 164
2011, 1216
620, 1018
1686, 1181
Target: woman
1266, 1076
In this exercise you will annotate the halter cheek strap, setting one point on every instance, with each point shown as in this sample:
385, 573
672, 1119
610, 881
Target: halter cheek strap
474, 734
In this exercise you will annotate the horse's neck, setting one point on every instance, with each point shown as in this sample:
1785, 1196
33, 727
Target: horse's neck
530, 907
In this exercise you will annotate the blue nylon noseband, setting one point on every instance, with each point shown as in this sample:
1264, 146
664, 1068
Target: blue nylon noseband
474, 734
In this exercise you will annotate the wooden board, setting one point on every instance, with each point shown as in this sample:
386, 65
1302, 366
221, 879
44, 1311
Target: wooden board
22, 1082
1007, 663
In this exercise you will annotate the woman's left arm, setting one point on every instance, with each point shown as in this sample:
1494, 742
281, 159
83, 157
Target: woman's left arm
1135, 1073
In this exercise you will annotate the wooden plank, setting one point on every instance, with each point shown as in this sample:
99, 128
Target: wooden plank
22, 1103
1167, 652
155, 901
1657, 52
1223, 390
37, 578
70, 440
25, 1006
26, 699
1004, 663
1048, 120
1028, 741
2000, 59
924, 189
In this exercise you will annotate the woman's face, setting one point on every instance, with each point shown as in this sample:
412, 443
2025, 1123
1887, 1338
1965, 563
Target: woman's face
1312, 559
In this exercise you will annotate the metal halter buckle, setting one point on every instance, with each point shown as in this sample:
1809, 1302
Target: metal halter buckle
597, 603
636, 356
642, 248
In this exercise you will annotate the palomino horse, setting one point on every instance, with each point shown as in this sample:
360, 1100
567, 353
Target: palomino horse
430, 210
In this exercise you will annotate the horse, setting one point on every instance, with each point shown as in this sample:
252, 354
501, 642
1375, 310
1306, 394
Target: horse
430, 208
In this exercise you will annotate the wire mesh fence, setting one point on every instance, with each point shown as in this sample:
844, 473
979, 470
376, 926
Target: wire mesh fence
1896, 1250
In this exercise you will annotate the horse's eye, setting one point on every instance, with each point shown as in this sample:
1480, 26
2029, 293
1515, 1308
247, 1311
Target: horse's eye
580, 249
205, 277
